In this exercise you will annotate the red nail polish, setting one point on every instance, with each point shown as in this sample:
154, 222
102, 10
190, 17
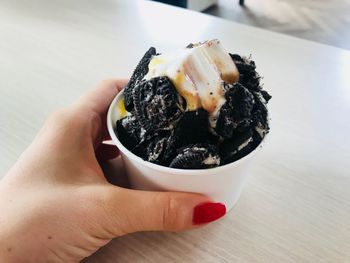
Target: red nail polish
208, 212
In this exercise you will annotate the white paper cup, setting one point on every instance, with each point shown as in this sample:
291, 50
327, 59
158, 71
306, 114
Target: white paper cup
223, 184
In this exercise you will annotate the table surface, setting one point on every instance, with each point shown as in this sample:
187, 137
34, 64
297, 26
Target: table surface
296, 204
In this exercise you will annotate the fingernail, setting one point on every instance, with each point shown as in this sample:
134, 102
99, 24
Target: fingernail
208, 212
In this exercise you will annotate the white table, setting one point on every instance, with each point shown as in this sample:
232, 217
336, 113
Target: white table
296, 204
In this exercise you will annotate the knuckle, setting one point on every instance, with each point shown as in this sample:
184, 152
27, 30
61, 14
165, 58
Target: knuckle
99, 203
114, 83
72, 117
93, 117
107, 82
114, 223
171, 217
60, 115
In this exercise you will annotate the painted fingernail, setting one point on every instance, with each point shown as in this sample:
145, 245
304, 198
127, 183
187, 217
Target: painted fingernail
208, 212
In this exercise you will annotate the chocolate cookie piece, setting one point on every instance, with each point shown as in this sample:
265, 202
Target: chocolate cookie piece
235, 114
196, 156
140, 71
265, 95
248, 76
161, 148
192, 127
128, 131
171, 150
141, 149
236, 147
260, 115
156, 149
157, 104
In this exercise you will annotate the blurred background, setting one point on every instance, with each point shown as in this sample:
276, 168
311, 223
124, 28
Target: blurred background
324, 21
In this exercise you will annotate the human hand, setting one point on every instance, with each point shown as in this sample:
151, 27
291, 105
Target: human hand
56, 204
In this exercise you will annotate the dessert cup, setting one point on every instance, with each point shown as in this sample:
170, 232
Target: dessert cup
223, 184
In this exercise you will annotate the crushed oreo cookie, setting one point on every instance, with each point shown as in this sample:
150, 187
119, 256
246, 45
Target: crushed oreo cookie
161, 148
157, 104
235, 114
248, 76
129, 131
196, 156
139, 72
192, 127
239, 145
159, 129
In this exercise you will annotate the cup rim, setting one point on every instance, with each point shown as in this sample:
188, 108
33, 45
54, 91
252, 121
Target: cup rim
166, 169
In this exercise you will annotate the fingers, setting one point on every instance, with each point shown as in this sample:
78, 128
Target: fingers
82, 126
94, 104
106, 152
99, 98
167, 211
115, 173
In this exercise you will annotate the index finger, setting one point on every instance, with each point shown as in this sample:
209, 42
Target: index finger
97, 101
99, 98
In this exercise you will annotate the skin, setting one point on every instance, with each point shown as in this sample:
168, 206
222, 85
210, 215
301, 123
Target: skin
56, 204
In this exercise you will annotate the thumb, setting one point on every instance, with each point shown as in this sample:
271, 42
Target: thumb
136, 210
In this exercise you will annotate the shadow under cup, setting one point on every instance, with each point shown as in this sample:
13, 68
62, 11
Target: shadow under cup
223, 184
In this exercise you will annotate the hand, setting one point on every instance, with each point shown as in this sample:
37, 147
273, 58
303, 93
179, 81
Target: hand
56, 204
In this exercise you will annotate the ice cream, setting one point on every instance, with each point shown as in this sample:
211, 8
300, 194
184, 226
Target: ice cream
198, 74
198, 107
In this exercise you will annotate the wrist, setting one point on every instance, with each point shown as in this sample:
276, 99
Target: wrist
19, 240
